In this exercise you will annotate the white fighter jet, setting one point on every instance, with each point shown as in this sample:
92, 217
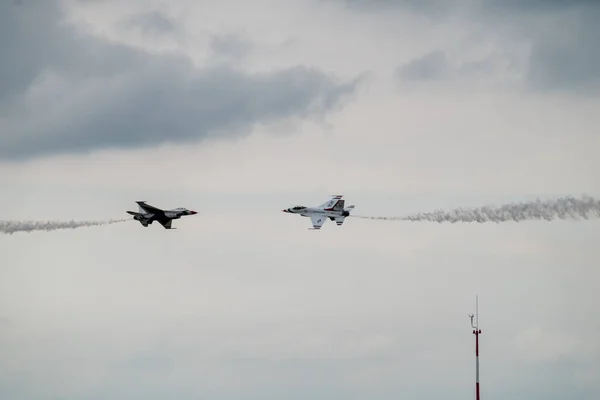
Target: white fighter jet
332, 209
148, 214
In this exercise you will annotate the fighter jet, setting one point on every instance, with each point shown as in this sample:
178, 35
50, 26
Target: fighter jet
148, 214
332, 209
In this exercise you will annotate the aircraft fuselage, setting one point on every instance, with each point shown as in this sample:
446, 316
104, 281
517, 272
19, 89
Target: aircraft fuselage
315, 211
148, 214
333, 209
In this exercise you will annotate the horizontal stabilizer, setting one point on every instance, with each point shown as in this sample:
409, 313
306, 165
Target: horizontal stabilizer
339, 220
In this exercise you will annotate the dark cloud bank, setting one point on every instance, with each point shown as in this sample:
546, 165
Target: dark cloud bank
99, 94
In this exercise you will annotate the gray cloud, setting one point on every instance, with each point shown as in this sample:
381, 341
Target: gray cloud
563, 37
230, 46
486, 6
568, 57
534, 6
152, 23
432, 66
435, 66
431, 8
62, 91
564, 51
21, 37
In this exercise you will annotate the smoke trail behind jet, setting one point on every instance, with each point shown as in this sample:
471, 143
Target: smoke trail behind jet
10, 227
566, 208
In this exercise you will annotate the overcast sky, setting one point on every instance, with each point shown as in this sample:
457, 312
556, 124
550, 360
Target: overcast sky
238, 109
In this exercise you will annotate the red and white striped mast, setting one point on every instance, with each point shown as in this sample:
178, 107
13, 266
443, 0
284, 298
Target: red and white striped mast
476, 332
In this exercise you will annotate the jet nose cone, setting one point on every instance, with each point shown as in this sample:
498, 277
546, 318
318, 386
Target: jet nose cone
285, 211
193, 212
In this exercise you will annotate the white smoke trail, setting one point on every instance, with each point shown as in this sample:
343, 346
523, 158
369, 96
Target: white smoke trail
560, 208
10, 227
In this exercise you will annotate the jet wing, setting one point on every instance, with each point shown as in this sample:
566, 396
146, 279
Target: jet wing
317, 221
166, 223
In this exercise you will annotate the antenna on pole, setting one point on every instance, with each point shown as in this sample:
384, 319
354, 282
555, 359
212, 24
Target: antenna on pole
476, 315
476, 332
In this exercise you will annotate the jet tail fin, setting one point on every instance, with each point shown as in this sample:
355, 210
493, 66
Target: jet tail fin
132, 213
331, 202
